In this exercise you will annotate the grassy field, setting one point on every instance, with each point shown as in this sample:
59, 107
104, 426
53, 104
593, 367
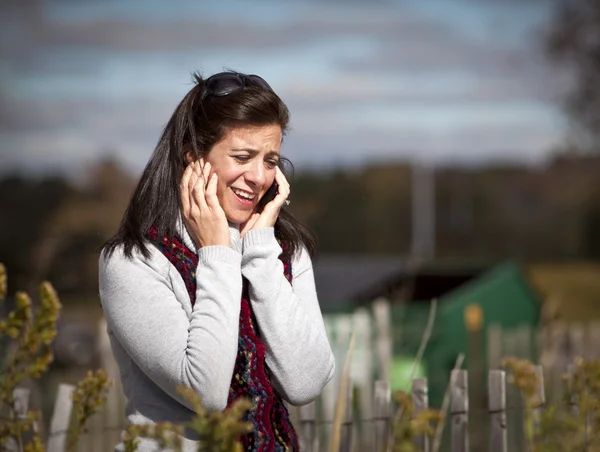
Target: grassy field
574, 287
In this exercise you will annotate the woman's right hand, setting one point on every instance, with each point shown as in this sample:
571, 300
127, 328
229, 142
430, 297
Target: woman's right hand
202, 213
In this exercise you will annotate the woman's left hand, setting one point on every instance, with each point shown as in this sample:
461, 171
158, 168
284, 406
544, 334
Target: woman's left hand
269, 214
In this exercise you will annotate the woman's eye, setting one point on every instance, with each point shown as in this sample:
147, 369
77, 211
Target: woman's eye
241, 158
272, 163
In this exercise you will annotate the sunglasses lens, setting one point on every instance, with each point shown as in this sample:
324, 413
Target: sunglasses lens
259, 81
223, 84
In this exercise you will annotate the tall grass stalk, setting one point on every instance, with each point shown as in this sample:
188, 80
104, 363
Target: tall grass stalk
420, 352
439, 430
342, 400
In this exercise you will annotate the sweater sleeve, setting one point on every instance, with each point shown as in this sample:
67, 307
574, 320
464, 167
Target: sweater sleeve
290, 320
169, 346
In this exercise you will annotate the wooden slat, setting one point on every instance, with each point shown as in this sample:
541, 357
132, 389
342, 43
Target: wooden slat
522, 337
420, 400
382, 411
347, 424
57, 442
308, 428
497, 409
19, 412
459, 411
382, 318
573, 402
494, 346
541, 395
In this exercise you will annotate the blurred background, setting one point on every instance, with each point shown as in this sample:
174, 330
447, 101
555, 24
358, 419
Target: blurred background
443, 149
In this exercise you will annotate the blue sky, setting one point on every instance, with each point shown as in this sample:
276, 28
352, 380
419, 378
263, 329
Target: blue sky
435, 80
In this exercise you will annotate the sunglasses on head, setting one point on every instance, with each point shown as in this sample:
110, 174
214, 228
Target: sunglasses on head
225, 83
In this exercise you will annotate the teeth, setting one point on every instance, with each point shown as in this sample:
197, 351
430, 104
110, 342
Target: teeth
243, 194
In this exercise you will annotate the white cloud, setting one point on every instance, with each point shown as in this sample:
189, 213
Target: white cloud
361, 80
525, 142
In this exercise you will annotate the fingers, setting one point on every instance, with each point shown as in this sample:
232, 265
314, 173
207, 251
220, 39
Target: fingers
211, 192
202, 213
187, 186
284, 187
204, 168
270, 213
184, 191
193, 177
198, 186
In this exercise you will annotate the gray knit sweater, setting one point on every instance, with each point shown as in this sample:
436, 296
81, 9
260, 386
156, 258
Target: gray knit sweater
160, 341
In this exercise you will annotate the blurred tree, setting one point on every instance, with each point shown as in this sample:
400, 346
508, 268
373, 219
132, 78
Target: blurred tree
52, 229
77, 228
333, 207
387, 211
25, 205
493, 212
591, 229
574, 38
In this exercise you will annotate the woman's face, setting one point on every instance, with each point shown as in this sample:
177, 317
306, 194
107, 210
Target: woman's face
245, 161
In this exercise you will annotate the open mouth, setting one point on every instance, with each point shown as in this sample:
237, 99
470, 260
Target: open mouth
244, 197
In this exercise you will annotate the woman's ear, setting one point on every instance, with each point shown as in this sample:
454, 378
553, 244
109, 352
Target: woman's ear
190, 157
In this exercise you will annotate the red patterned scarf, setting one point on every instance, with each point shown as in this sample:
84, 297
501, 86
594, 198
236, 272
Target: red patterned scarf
272, 429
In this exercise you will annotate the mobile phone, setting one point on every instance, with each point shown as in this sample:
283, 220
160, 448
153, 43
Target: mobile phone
268, 196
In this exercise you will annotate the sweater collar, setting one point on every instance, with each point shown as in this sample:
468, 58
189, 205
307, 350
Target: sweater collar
182, 231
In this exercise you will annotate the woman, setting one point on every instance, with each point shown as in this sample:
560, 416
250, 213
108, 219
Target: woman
208, 282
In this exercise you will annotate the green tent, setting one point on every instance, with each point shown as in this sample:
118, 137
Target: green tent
505, 298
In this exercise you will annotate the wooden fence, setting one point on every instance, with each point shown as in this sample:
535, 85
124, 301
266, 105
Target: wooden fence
553, 347
373, 434
357, 433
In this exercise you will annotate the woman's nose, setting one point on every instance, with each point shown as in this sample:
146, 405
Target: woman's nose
256, 174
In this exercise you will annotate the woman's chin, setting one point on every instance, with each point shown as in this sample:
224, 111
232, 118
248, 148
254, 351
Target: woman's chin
238, 217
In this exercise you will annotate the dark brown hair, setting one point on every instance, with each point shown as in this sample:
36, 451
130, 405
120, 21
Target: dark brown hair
198, 123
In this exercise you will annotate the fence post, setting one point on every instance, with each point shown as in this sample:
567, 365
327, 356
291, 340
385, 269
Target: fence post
330, 393
19, 411
554, 358
112, 413
420, 400
347, 430
459, 411
57, 441
541, 395
494, 346
523, 342
381, 415
362, 376
382, 316
571, 368
21, 398
497, 409
574, 403
308, 428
